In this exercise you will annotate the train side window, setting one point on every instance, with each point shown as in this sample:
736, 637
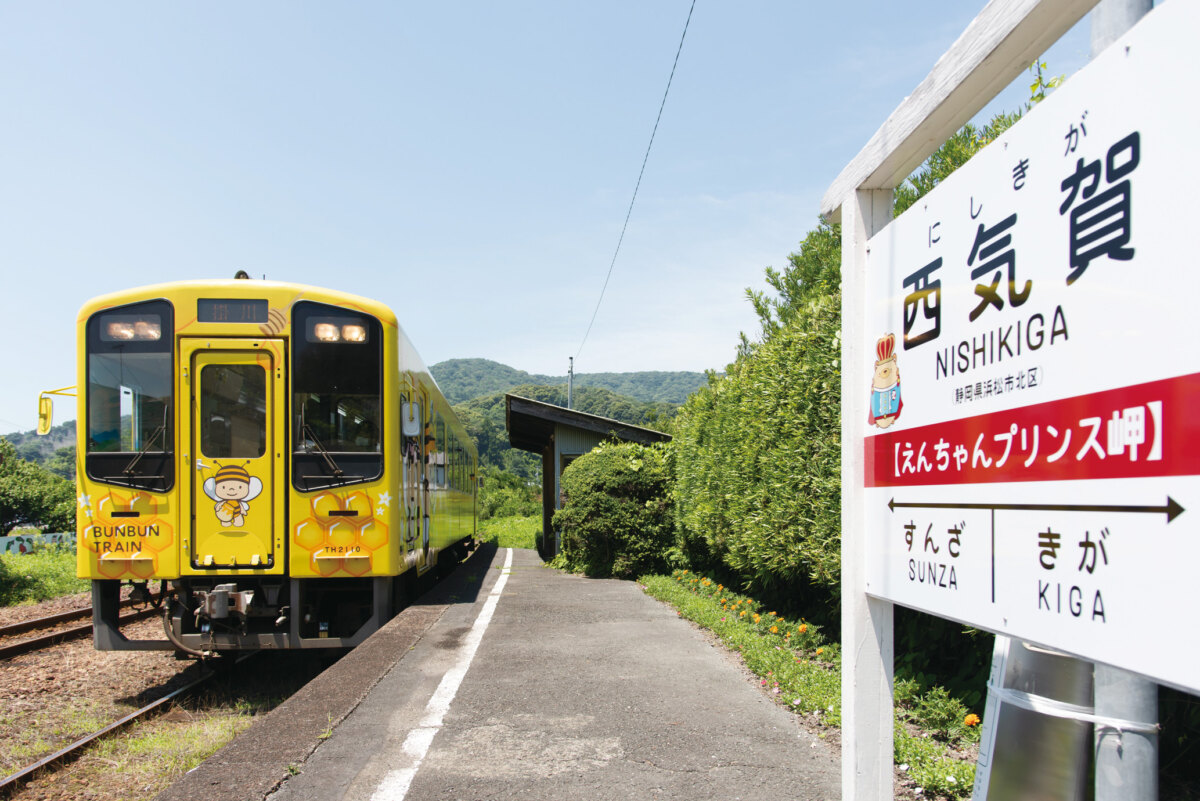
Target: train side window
439, 456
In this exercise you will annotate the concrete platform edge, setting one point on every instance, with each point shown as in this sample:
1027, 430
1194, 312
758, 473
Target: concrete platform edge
262, 757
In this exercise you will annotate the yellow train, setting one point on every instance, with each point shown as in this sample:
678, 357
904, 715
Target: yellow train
276, 455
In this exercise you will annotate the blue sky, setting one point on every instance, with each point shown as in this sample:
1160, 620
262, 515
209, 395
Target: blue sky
468, 163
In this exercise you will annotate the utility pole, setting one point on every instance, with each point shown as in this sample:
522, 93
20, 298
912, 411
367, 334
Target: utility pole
570, 380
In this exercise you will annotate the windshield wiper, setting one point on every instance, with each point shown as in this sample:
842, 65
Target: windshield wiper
158, 432
306, 433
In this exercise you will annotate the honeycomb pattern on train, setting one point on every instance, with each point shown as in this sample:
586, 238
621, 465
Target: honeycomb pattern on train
326, 534
98, 527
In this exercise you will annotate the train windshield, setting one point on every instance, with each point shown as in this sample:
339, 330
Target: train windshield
129, 370
337, 380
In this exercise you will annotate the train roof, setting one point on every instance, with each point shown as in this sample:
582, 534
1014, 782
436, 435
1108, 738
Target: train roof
283, 293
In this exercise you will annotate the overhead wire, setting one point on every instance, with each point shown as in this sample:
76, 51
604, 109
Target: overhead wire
641, 172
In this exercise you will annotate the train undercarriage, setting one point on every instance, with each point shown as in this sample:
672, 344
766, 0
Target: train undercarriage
204, 615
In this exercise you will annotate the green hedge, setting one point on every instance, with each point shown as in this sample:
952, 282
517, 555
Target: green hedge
758, 457
617, 519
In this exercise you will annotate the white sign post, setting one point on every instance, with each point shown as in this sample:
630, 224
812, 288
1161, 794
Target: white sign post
1020, 451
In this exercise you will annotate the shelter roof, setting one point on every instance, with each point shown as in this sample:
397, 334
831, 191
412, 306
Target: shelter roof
531, 424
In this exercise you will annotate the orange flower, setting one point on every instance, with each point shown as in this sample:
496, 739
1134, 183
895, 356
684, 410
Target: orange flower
757, 618
774, 629
820, 651
742, 613
803, 628
971, 720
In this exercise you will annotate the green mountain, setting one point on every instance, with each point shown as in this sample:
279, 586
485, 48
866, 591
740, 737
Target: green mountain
463, 379
55, 451
33, 448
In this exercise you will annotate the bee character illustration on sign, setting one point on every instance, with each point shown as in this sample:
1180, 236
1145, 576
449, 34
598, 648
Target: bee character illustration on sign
886, 403
232, 488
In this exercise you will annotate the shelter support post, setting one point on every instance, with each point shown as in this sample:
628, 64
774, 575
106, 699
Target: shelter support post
549, 503
867, 656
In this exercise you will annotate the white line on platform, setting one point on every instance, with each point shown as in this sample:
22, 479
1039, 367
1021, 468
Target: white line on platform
416, 745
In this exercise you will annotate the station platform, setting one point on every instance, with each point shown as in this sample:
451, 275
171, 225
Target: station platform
512, 680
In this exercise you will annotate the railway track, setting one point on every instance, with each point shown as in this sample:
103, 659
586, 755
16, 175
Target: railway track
37, 642
12, 782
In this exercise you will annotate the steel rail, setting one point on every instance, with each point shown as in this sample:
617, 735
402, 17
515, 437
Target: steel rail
55, 637
73, 750
52, 620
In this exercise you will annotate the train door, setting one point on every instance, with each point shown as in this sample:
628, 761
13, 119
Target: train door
414, 413
425, 474
235, 438
410, 429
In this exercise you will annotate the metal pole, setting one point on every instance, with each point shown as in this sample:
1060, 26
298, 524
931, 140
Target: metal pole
1126, 762
570, 380
1112, 18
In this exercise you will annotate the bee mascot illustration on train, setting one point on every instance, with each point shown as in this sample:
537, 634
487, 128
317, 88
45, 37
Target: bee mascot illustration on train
232, 488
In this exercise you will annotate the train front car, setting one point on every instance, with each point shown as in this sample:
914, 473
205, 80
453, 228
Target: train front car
242, 444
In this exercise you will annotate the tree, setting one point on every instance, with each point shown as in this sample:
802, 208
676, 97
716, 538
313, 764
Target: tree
31, 496
813, 271
62, 463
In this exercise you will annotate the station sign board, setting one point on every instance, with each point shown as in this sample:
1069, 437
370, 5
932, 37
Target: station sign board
1033, 448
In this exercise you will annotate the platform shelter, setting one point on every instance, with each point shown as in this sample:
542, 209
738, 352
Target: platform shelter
560, 436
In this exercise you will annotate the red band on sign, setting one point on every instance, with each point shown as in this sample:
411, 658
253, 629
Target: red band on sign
1132, 432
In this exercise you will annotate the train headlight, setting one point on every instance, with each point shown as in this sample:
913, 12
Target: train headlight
325, 332
131, 328
354, 333
352, 330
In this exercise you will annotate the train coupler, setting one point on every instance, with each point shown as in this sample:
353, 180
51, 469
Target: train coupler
222, 601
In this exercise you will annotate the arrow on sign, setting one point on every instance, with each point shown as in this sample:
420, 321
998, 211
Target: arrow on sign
1171, 509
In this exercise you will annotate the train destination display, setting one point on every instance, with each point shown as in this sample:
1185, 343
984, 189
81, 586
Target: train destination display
1033, 447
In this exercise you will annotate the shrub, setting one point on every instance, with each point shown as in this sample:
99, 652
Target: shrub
506, 494
38, 576
617, 520
944, 716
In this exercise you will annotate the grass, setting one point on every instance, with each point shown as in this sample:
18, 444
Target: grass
802, 670
511, 532
144, 759
32, 735
156, 753
39, 576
